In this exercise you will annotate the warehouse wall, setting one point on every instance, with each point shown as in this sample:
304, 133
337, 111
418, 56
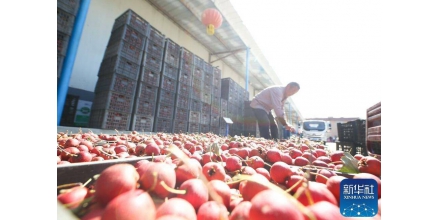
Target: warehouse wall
97, 30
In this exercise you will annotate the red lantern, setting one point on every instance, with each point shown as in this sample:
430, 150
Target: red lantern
212, 19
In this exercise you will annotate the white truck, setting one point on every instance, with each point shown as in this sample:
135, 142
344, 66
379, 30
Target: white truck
315, 130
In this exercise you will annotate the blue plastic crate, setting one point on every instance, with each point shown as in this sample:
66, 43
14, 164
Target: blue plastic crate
146, 99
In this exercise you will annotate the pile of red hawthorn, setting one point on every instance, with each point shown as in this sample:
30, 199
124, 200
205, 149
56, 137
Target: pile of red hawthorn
205, 176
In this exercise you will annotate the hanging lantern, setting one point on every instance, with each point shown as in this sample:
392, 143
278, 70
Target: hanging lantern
212, 19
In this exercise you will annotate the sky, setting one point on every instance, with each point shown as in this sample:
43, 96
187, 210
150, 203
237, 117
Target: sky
331, 48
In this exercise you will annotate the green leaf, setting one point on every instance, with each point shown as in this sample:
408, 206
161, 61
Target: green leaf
350, 164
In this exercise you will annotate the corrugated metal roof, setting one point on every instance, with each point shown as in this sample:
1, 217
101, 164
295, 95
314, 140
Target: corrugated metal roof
231, 36
187, 14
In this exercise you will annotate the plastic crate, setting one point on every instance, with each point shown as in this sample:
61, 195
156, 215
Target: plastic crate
150, 77
163, 125
215, 120
146, 100
194, 117
206, 88
205, 129
183, 89
116, 83
215, 110
119, 65
223, 103
132, 19
172, 51
181, 114
205, 119
215, 130
168, 83
145, 107
107, 119
182, 101
206, 97
185, 76
69, 6
199, 62
164, 110
207, 68
198, 73
195, 105
206, 108
346, 131
216, 91
142, 123
193, 127
129, 35
125, 50
65, 21
180, 126
155, 48
147, 92
60, 61
153, 62
196, 93
166, 96
217, 74
62, 41
170, 71
186, 56
208, 79
215, 101
113, 101
156, 36
224, 112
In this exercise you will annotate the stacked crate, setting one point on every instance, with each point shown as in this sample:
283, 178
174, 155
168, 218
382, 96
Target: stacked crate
66, 13
184, 88
144, 111
223, 113
216, 101
236, 97
166, 101
118, 73
206, 95
195, 102
249, 120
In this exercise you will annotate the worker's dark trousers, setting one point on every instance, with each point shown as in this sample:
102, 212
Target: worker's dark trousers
266, 124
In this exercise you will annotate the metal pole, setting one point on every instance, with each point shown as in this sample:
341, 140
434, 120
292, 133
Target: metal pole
69, 60
247, 68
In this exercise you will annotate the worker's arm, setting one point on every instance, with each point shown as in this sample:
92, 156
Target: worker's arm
284, 123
